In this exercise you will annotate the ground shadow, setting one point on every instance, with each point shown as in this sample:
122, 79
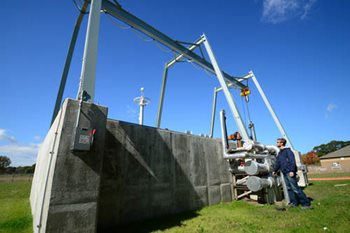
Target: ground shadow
154, 224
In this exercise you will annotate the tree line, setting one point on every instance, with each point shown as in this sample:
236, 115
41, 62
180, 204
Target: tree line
5, 167
313, 157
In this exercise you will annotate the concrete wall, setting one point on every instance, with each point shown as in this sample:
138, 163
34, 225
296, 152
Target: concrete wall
149, 172
65, 186
131, 173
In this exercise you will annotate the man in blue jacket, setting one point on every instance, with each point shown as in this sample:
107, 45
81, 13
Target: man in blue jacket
286, 164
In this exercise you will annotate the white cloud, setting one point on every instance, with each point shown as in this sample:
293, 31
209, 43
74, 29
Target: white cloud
307, 8
20, 155
4, 136
331, 107
276, 11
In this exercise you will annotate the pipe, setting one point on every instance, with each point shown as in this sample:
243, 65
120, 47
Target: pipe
255, 183
240, 155
272, 148
252, 168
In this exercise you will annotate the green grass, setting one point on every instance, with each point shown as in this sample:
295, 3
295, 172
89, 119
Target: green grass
331, 210
322, 175
15, 213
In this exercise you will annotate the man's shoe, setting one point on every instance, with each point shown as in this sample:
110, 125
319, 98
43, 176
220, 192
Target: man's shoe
306, 207
291, 205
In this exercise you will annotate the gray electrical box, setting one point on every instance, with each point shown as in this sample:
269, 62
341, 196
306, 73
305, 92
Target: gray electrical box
83, 139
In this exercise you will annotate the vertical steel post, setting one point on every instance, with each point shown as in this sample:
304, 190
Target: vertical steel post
227, 93
212, 122
268, 105
88, 71
162, 92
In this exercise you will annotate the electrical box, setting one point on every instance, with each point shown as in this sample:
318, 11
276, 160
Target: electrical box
84, 138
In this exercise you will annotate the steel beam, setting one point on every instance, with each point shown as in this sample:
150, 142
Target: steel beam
68, 61
272, 112
162, 93
229, 98
213, 110
191, 48
88, 71
133, 21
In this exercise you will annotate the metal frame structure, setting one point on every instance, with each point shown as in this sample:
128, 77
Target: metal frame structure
88, 72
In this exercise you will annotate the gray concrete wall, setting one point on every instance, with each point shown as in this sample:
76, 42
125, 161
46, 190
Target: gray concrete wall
65, 187
131, 173
149, 172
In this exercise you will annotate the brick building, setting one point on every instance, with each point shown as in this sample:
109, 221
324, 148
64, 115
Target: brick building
337, 161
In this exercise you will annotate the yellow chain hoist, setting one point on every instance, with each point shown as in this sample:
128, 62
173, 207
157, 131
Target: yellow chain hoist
245, 91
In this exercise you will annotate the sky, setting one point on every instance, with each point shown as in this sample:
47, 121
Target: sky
299, 51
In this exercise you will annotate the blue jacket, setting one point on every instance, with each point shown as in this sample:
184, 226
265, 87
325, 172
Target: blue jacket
285, 161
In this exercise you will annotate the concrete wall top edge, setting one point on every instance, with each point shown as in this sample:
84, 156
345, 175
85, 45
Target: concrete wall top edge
161, 129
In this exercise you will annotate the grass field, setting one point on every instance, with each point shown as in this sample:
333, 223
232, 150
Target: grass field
15, 213
322, 175
330, 214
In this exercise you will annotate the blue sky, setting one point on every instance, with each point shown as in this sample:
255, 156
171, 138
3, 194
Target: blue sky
298, 49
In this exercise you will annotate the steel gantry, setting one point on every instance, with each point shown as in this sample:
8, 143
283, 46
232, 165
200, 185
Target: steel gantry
88, 72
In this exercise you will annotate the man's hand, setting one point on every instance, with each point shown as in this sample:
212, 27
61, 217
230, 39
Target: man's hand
291, 174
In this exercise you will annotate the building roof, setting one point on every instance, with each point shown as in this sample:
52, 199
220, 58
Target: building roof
343, 152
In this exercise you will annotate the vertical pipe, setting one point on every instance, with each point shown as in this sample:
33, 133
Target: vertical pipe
285, 189
213, 114
88, 71
141, 112
162, 93
227, 93
268, 105
68, 62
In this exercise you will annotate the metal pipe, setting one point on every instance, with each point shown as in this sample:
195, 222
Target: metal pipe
272, 148
141, 113
212, 122
255, 183
88, 71
49, 166
284, 187
244, 194
254, 168
242, 181
240, 155
68, 61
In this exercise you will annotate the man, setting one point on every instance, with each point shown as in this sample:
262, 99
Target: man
236, 137
286, 164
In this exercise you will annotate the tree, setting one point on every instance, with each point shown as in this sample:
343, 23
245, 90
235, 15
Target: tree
4, 163
331, 146
310, 157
